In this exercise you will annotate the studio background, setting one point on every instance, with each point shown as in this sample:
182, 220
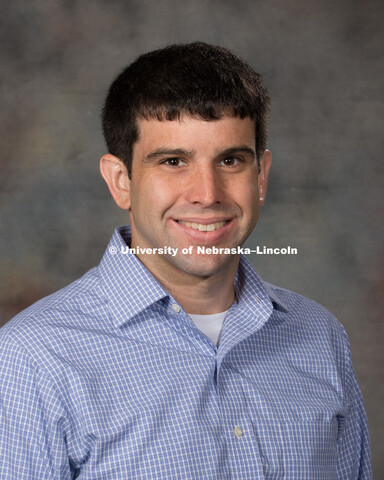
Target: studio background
322, 61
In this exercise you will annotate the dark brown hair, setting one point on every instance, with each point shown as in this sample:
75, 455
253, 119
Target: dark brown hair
199, 79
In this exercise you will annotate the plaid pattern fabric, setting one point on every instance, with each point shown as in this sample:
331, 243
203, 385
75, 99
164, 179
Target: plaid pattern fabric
109, 379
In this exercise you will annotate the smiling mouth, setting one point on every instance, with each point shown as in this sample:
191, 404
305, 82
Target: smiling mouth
202, 227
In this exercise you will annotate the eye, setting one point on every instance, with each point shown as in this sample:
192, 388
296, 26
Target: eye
231, 161
174, 162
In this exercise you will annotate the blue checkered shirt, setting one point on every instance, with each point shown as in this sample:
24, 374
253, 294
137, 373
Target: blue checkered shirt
109, 379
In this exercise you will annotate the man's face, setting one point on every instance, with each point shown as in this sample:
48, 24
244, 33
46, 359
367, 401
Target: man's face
194, 183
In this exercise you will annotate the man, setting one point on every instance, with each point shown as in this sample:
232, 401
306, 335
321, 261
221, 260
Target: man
172, 359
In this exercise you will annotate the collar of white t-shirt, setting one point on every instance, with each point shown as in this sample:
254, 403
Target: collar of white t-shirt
210, 325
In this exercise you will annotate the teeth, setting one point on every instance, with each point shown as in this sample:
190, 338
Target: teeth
203, 228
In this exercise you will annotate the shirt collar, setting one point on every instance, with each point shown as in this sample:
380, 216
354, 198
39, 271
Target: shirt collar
130, 287
276, 300
249, 286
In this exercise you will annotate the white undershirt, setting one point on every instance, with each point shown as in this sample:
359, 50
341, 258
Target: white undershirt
210, 325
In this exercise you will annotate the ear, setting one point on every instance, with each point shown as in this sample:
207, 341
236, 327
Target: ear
115, 174
265, 165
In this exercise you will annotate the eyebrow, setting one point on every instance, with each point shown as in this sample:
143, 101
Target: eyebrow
167, 151
185, 153
241, 149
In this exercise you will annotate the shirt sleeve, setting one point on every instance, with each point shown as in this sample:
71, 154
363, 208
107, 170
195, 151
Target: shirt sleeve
354, 455
32, 420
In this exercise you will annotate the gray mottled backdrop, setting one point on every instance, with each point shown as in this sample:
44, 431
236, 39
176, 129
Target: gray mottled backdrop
323, 63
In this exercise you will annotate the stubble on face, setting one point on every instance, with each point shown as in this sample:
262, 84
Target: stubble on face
194, 183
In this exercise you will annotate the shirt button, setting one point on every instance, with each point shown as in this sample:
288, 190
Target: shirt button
176, 308
238, 432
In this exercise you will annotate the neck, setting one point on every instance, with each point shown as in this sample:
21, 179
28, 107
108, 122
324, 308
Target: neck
197, 294
203, 296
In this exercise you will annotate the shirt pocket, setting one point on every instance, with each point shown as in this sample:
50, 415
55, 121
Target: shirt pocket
310, 449
299, 449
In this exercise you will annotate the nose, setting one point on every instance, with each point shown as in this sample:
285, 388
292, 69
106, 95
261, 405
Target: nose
205, 186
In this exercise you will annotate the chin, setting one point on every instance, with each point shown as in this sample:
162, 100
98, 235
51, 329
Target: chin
206, 266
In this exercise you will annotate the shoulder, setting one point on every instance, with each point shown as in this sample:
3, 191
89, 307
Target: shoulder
314, 337
307, 317
66, 309
298, 304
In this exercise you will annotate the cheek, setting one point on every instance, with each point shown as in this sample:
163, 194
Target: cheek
153, 196
246, 196
162, 195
